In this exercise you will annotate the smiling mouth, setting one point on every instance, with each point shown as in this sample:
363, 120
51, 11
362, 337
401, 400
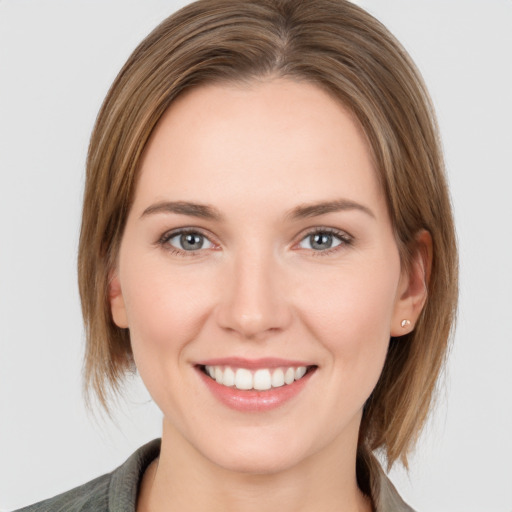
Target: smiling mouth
261, 379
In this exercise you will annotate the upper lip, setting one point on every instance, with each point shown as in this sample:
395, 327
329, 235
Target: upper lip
253, 364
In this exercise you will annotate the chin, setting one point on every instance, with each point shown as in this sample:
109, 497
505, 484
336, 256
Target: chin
259, 464
257, 456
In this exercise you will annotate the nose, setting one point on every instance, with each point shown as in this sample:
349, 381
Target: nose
254, 302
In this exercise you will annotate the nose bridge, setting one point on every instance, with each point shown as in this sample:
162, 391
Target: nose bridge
253, 300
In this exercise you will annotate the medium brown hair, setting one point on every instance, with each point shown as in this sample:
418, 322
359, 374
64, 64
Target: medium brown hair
342, 49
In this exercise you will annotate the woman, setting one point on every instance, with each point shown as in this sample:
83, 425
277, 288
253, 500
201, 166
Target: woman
267, 237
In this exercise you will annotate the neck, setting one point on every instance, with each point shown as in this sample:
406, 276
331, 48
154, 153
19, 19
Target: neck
183, 480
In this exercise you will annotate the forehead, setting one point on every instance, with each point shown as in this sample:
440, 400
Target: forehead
276, 140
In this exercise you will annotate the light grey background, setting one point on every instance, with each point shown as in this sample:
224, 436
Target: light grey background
57, 60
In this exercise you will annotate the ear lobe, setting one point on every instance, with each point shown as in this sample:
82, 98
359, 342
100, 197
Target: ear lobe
412, 293
117, 305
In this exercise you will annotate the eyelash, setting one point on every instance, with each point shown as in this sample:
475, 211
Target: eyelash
163, 241
345, 240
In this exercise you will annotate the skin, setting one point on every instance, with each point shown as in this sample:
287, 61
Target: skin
257, 289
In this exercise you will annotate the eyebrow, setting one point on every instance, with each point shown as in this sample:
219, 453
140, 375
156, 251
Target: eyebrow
208, 212
316, 209
202, 211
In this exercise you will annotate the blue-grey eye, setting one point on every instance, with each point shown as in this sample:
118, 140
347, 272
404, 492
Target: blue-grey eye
320, 241
191, 241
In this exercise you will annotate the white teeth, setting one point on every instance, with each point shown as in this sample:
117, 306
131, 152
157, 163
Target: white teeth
289, 376
278, 378
300, 372
243, 379
229, 377
261, 380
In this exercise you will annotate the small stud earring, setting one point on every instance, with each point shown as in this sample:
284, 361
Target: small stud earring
405, 323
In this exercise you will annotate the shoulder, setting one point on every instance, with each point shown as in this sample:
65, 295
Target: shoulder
374, 482
88, 497
113, 492
388, 499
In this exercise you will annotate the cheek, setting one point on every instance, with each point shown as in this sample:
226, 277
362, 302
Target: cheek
350, 312
166, 308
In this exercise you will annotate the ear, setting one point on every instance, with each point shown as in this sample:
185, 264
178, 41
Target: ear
117, 305
412, 290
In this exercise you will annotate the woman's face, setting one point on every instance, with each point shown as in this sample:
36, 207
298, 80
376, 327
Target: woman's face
258, 247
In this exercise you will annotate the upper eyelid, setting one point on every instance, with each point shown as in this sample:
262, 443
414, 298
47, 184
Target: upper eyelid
171, 233
341, 233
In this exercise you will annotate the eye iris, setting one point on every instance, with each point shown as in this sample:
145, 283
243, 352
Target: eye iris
321, 241
191, 241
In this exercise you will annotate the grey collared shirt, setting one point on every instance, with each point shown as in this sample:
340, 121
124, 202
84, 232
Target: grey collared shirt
117, 491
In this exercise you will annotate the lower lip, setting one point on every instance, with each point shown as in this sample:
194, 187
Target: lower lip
252, 400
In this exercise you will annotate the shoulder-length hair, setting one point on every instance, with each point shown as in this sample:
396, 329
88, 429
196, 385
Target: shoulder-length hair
343, 50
